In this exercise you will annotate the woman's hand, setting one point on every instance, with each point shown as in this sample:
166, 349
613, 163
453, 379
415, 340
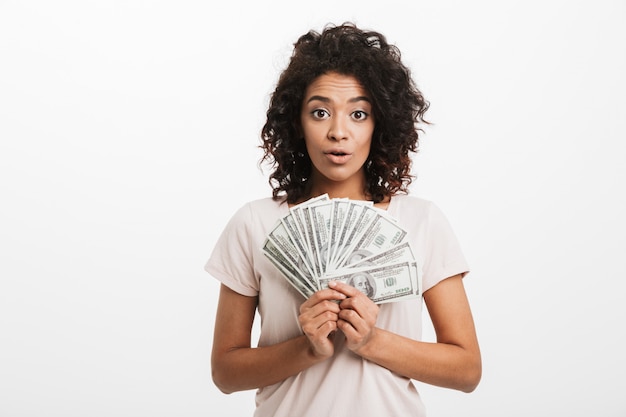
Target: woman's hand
357, 316
318, 320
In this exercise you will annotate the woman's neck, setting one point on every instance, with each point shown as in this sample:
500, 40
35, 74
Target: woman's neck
353, 187
339, 191
350, 193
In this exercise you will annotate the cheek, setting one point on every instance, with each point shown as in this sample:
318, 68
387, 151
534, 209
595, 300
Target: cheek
308, 143
314, 138
367, 139
366, 148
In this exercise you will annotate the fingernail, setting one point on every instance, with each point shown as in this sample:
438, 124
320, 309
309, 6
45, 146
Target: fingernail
332, 284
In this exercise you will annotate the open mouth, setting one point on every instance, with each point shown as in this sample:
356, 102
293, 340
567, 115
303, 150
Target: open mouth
337, 153
338, 156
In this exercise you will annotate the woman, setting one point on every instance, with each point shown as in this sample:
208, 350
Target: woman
342, 121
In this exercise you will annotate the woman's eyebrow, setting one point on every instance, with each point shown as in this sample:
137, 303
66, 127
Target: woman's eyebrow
327, 100
318, 98
359, 98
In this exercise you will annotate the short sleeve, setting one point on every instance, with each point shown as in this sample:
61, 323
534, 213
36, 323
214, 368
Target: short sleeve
444, 256
231, 261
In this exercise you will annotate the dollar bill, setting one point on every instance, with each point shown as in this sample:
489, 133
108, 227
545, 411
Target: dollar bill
380, 234
381, 283
304, 231
399, 253
338, 215
320, 217
291, 228
292, 251
291, 273
356, 215
351, 241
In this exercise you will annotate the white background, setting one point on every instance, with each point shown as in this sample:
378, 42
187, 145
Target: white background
128, 138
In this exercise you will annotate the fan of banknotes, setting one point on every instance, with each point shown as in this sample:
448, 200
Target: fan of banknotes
325, 239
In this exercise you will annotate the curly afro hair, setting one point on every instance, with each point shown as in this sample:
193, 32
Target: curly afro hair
398, 108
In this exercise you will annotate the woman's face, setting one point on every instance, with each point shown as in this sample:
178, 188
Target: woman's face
338, 124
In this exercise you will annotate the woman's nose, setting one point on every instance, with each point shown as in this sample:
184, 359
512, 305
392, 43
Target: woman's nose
338, 129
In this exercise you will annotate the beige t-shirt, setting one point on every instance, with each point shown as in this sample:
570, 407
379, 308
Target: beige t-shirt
345, 384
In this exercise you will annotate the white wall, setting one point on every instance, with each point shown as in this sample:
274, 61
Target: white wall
128, 134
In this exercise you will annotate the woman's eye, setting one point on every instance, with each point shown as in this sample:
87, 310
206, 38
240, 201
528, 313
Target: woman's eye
359, 115
319, 113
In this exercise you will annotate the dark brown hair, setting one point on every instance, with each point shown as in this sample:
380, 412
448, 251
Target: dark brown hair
398, 108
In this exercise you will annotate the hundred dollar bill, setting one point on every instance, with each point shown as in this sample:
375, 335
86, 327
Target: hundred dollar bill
296, 214
352, 241
338, 214
304, 231
381, 233
292, 251
382, 284
321, 217
306, 226
291, 228
356, 215
292, 274
399, 253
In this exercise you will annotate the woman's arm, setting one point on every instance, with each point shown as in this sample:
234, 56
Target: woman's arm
236, 366
454, 361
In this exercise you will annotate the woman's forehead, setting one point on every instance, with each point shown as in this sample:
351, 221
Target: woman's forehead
332, 85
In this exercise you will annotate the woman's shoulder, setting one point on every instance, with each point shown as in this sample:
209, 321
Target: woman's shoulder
412, 208
411, 202
259, 211
418, 211
264, 205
